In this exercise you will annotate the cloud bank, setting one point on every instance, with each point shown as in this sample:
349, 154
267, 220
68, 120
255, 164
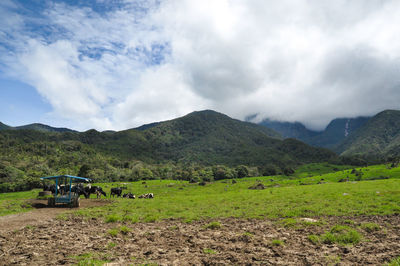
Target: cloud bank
120, 64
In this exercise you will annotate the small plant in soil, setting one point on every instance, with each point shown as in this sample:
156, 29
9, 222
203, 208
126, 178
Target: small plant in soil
113, 232
370, 227
333, 260
113, 218
394, 262
248, 234
212, 225
209, 251
30, 227
111, 245
124, 230
289, 222
341, 234
277, 242
349, 222
90, 259
314, 239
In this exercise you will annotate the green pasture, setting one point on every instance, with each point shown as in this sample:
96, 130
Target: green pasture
180, 200
294, 196
15, 202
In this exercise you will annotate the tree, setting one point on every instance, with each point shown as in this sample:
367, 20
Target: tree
242, 171
84, 170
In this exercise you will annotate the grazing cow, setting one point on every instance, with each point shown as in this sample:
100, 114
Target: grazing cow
95, 190
116, 191
129, 195
80, 190
146, 196
51, 188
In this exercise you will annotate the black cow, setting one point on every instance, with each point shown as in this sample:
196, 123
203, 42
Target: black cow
129, 195
116, 191
95, 190
80, 190
51, 188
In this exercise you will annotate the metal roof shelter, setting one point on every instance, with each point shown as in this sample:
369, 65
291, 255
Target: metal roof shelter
68, 198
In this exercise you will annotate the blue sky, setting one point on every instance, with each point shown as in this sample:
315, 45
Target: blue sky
122, 63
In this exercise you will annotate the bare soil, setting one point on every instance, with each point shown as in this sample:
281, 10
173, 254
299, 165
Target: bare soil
238, 241
41, 213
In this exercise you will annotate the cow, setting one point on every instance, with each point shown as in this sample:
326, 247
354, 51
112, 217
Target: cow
129, 195
80, 190
51, 188
116, 191
95, 190
146, 196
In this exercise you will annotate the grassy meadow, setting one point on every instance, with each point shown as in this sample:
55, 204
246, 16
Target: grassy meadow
299, 195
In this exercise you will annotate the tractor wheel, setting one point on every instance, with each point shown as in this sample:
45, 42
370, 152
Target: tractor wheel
51, 202
76, 203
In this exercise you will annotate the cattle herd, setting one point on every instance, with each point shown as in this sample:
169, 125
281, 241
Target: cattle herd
89, 189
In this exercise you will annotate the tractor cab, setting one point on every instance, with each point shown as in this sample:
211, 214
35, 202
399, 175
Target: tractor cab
63, 190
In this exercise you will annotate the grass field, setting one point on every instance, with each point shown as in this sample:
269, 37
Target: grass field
190, 222
295, 196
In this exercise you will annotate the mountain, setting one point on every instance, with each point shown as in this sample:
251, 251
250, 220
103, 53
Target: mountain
36, 126
380, 136
208, 138
205, 137
290, 130
44, 128
337, 130
4, 126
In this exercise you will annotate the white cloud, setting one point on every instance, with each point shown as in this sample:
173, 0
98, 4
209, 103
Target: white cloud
145, 61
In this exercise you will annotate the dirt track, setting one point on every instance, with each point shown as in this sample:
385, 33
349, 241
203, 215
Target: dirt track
55, 242
40, 214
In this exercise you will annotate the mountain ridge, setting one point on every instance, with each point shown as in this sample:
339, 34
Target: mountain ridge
379, 136
334, 133
204, 137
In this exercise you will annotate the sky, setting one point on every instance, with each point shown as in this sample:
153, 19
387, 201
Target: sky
118, 64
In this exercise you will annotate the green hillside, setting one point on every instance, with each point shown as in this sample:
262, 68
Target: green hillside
45, 128
4, 126
208, 138
36, 126
199, 145
380, 136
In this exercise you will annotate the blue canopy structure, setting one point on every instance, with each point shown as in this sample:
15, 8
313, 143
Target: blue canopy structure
70, 176
68, 198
